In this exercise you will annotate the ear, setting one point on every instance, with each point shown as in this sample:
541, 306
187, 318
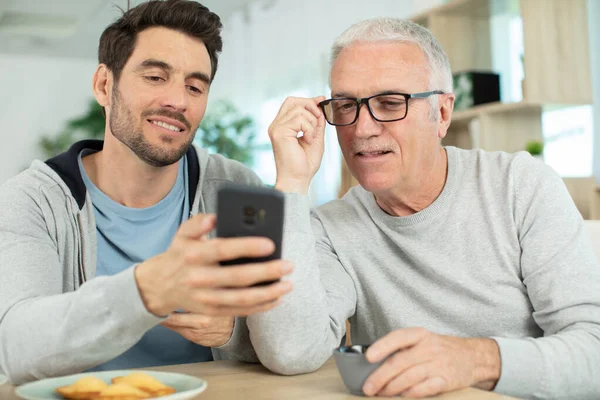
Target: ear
446, 108
102, 85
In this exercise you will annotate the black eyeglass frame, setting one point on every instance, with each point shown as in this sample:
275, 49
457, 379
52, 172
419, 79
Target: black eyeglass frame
365, 100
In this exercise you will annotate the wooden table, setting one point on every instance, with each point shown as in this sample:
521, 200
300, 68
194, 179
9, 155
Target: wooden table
233, 380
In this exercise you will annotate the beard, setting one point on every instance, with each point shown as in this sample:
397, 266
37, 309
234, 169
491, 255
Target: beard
123, 127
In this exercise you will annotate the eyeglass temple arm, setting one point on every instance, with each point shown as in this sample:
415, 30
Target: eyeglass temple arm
425, 94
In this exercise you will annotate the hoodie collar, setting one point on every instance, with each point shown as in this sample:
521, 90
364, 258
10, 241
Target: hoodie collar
66, 166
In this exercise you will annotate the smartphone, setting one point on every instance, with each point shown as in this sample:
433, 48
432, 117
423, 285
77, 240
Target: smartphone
251, 211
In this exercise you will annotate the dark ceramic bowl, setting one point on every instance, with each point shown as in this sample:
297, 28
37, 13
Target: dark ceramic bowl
354, 367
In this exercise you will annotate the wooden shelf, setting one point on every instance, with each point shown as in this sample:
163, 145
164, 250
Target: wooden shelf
465, 116
464, 8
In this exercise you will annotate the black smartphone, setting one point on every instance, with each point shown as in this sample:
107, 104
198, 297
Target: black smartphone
251, 211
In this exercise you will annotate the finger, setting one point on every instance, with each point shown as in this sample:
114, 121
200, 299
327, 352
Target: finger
299, 102
187, 320
298, 117
430, 387
320, 127
321, 124
406, 380
394, 341
313, 106
306, 122
197, 226
288, 104
224, 249
242, 311
308, 130
242, 298
241, 275
394, 366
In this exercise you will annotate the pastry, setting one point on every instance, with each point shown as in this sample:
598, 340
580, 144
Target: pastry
146, 383
82, 389
121, 391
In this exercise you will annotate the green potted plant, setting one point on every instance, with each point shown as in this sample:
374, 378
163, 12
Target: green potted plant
535, 148
225, 131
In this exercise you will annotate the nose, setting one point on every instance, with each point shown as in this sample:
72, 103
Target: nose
366, 126
175, 97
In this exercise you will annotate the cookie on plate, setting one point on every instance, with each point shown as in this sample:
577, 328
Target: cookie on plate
83, 389
145, 382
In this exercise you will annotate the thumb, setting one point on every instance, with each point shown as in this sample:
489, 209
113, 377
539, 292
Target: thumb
197, 226
321, 118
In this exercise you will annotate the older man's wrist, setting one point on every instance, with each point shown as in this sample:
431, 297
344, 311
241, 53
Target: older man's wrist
488, 364
287, 185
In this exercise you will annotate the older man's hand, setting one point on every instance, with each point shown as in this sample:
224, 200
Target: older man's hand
420, 363
297, 158
201, 329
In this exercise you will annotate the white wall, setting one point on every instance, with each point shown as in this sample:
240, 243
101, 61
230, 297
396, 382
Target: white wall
275, 47
37, 95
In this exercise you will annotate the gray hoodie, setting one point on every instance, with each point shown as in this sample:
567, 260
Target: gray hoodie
54, 318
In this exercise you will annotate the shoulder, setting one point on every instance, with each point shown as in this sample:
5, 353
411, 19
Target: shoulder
346, 210
29, 185
500, 166
219, 168
31, 197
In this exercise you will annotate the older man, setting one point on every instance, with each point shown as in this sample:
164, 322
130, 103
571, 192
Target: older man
462, 267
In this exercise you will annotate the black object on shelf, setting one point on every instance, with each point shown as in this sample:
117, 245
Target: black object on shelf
473, 88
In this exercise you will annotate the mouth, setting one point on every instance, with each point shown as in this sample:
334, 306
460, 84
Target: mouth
170, 125
373, 154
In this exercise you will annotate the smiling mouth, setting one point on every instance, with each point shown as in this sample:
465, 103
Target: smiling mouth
166, 126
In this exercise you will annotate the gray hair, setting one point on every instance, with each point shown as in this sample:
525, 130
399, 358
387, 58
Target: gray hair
399, 30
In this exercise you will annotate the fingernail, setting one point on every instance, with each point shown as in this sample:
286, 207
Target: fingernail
267, 245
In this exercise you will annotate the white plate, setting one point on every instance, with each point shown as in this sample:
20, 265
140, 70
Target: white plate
187, 386
3, 379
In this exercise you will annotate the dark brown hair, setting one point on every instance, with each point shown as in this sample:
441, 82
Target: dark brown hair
190, 17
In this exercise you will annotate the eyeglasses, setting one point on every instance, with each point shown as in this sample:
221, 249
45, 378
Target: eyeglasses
385, 107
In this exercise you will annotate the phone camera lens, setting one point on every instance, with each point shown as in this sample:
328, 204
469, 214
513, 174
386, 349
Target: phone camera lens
249, 215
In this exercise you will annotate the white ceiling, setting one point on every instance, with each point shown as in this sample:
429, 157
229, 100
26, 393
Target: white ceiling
70, 28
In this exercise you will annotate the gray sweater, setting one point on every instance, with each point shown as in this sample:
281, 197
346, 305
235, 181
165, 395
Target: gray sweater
501, 253
54, 318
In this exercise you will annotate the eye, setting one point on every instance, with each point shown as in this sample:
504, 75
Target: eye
153, 78
195, 90
344, 105
390, 102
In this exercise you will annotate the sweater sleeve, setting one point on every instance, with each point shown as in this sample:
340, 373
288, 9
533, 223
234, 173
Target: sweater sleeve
299, 335
562, 277
43, 331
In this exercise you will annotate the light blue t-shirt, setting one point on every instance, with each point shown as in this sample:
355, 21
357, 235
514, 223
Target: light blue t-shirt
127, 236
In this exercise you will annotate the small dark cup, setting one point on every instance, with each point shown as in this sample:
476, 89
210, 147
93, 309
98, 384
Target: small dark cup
354, 367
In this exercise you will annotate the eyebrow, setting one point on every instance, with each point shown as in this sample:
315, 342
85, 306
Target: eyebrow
347, 95
153, 63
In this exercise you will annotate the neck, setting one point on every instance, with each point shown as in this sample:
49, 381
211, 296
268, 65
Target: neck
126, 179
419, 193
